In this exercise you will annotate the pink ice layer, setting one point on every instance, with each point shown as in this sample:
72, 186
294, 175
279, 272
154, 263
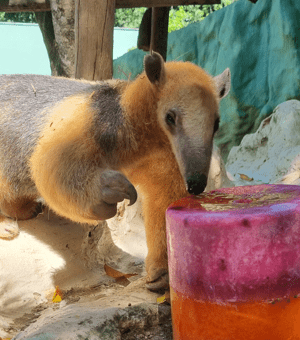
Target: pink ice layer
236, 244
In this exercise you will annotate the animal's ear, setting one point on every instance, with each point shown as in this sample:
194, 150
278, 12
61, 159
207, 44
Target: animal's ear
155, 68
223, 82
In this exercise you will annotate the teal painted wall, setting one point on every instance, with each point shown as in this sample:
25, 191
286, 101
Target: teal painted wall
22, 48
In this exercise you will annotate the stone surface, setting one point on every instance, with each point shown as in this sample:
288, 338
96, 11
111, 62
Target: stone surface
91, 323
47, 253
271, 154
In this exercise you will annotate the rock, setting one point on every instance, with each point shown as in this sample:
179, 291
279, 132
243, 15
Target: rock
46, 254
272, 153
91, 323
127, 229
99, 247
293, 174
218, 176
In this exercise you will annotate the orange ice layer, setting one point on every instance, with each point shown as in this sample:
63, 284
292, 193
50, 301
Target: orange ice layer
270, 320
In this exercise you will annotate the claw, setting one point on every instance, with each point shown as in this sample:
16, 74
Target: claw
39, 210
132, 194
161, 283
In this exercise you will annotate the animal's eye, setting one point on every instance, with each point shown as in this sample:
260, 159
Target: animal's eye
216, 127
170, 118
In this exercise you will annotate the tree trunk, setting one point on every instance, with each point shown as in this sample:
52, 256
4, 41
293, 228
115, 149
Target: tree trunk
57, 28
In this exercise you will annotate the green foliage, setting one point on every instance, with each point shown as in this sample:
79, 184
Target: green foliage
181, 16
131, 49
129, 17
18, 17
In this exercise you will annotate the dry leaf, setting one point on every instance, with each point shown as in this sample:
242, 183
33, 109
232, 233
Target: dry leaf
115, 273
161, 299
245, 178
57, 297
165, 299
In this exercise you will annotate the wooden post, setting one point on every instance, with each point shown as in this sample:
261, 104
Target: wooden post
154, 30
159, 30
94, 27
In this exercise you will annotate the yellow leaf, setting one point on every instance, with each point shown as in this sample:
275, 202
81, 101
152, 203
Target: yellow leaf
57, 297
161, 299
165, 299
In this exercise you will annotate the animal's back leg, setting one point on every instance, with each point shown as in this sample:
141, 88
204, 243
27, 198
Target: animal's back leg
14, 208
20, 208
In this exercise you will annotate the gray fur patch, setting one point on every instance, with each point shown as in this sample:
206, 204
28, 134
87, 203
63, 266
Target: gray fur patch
109, 120
25, 104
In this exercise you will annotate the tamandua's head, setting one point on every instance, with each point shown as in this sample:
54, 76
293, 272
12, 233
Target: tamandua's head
188, 112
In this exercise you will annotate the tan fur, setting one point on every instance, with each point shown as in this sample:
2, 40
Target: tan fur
68, 126
151, 174
5, 189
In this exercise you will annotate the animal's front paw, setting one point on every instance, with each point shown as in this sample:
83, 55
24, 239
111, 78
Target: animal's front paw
158, 277
161, 280
115, 187
8, 228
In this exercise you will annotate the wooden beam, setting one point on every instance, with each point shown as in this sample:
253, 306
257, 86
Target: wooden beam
24, 6
94, 28
43, 7
162, 3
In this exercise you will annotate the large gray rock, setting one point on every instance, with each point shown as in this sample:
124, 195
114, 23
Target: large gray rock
271, 154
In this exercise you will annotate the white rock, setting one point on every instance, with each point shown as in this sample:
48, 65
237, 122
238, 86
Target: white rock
217, 176
271, 154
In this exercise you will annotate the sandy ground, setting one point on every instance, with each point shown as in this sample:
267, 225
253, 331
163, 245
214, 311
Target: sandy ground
51, 251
